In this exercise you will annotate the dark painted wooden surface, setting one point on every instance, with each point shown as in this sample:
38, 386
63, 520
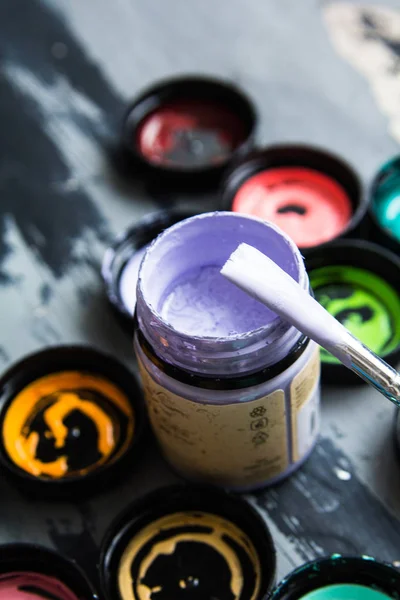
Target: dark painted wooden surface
68, 68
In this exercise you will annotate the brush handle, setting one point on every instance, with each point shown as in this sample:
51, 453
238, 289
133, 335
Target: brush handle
263, 279
371, 368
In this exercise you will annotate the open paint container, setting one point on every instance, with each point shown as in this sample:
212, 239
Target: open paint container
30, 572
385, 206
121, 263
70, 419
313, 196
232, 390
189, 127
359, 284
188, 542
340, 578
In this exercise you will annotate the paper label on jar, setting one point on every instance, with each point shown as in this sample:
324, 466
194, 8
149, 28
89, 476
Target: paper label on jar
304, 401
238, 444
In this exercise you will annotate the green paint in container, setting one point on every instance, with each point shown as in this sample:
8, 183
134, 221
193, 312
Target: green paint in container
358, 282
363, 302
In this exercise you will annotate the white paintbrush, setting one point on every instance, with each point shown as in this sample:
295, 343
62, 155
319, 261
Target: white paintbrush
263, 279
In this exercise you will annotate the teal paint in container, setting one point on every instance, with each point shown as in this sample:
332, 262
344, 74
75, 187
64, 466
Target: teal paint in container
385, 205
345, 591
340, 578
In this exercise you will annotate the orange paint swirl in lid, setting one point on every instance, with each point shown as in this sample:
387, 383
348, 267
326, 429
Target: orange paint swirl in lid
67, 423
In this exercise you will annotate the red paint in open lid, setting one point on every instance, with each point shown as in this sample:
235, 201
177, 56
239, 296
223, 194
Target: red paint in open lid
312, 195
190, 134
189, 126
308, 205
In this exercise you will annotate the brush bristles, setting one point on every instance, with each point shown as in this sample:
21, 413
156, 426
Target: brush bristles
246, 262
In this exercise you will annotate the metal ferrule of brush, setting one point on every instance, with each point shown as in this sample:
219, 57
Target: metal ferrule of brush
372, 369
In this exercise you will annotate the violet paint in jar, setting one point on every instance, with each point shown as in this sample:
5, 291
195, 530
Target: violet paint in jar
232, 390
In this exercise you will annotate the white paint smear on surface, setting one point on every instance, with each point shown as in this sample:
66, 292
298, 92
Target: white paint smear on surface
61, 107
75, 312
365, 36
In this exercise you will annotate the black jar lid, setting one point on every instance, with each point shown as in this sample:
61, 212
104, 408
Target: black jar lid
57, 409
302, 189
129, 249
337, 570
359, 283
43, 572
384, 193
188, 537
188, 128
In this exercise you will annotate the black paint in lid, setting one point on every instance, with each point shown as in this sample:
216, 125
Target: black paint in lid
188, 128
191, 542
22, 558
57, 408
337, 569
128, 249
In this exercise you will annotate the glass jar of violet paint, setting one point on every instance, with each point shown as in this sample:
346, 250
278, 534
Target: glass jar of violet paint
232, 390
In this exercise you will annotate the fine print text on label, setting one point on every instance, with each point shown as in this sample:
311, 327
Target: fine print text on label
236, 445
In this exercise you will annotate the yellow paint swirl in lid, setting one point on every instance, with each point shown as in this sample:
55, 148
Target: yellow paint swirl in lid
189, 555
